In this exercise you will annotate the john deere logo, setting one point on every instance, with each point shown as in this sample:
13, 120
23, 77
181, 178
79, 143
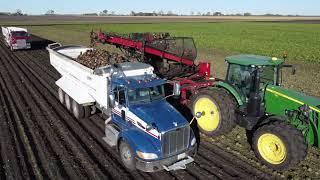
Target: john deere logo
175, 124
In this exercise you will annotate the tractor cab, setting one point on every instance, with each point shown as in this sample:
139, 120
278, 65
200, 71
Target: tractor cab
249, 75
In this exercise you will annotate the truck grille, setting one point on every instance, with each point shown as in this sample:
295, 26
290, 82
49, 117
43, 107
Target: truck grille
175, 141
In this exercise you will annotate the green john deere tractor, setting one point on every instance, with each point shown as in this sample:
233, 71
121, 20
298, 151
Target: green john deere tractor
281, 122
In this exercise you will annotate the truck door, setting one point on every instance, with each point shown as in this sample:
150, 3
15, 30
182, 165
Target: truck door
120, 110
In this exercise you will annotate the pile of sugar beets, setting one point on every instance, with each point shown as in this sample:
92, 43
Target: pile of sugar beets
95, 58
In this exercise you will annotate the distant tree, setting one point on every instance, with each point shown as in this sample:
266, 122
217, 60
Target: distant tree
160, 13
247, 14
154, 13
198, 13
113, 13
49, 12
191, 13
18, 13
217, 14
208, 14
132, 13
169, 13
104, 13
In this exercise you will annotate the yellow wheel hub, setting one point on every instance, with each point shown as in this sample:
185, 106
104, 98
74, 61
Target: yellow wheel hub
272, 148
210, 117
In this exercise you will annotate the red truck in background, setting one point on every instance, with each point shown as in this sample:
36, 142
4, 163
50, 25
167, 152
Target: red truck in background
16, 38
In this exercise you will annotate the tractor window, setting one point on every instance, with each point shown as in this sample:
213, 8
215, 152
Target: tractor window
240, 77
267, 75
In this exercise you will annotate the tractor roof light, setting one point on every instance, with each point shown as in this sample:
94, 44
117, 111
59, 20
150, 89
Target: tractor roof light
274, 58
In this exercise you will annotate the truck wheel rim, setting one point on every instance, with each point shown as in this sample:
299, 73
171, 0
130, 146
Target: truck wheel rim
210, 117
61, 95
68, 104
75, 109
126, 155
272, 148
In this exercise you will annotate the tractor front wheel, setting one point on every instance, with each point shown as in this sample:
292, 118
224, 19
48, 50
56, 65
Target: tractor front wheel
279, 145
218, 111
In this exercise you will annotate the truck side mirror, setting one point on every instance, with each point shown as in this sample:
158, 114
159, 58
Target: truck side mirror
123, 114
176, 89
111, 101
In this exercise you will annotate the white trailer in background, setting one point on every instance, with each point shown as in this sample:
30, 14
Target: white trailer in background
16, 38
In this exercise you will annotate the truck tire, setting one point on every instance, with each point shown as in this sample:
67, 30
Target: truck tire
77, 110
279, 145
218, 111
67, 101
61, 95
127, 156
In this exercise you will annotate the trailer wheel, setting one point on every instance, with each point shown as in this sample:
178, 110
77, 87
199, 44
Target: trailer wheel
67, 101
77, 110
87, 111
218, 111
279, 145
61, 95
127, 156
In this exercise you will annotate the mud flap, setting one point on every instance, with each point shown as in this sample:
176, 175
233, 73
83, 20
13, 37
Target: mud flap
179, 165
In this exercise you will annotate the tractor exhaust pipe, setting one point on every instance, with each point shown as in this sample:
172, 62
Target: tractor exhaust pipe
254, 107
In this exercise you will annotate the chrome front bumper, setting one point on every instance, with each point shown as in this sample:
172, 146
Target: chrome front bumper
16, 46
175, 162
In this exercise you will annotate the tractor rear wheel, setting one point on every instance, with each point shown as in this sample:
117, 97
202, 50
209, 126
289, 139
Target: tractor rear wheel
218, 111
279, 145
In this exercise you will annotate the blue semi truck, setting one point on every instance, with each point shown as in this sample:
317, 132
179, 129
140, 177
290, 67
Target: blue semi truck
149, 134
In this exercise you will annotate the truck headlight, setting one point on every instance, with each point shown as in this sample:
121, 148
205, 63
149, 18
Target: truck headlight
193, 141
144, 155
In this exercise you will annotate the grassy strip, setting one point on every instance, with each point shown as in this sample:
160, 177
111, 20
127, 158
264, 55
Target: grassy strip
300, 41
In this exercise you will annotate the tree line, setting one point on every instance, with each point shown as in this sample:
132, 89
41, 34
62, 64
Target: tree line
105, 12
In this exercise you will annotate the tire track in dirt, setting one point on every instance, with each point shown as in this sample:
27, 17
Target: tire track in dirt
47, 145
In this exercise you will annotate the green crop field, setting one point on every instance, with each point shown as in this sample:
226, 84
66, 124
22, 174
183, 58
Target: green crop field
300, 41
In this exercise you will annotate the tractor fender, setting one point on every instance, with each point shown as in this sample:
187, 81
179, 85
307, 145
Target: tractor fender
230, 89
270, 119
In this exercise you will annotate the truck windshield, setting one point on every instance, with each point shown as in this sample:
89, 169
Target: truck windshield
20, 34
143, 95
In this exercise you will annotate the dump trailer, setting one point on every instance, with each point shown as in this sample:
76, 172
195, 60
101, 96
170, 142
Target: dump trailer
16, 38
149, 134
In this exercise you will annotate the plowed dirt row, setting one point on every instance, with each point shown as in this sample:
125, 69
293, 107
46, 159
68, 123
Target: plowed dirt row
40, 139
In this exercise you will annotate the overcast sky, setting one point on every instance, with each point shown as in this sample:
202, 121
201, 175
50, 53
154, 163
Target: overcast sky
301, 7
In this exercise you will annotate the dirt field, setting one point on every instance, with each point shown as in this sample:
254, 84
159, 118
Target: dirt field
45, 20
40, 139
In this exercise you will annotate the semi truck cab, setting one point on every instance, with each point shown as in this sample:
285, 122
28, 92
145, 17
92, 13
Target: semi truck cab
16, 38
